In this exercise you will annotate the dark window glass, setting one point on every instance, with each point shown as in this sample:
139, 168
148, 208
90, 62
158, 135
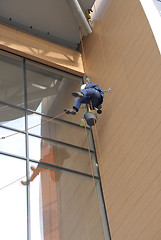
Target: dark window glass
65, 205
61, 155
11, 79
12, 117
59, 130
50, 91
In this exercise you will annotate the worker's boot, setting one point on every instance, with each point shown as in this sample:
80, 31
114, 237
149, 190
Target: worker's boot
99, 111
24, 183
78, 94
70, 111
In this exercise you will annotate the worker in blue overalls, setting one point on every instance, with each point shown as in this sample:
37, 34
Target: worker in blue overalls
90, 94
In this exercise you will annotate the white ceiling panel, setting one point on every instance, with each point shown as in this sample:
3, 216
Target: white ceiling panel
49, 19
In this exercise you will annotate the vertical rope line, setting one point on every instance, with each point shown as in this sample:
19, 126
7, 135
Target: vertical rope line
111, 103
83, 53
89, 148
94, 181
112, 110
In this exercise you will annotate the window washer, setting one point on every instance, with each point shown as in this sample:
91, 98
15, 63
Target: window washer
90, 93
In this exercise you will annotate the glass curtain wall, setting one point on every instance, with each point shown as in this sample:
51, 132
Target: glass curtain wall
50, 186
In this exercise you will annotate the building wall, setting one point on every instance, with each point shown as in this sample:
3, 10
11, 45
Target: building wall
122, 54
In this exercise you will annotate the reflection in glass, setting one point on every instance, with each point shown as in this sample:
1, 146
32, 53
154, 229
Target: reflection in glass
63, 206
61, 155
14, 144
59, 130
68, 207
52, 89
13, 208
11, 79
12, 117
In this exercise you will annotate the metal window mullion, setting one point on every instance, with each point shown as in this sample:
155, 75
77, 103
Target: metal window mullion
12, 155
100, 183
60, 168
11, 105
27, 155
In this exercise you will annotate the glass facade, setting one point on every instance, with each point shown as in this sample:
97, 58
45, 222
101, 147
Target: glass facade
50, 185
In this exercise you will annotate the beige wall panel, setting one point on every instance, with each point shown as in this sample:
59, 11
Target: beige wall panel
122, 54
131, 180
139, 130
129, 166
40, 50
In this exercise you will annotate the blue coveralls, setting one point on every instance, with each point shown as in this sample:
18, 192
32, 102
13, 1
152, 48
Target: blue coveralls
92, 93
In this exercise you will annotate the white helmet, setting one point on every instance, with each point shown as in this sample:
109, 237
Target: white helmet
83, 87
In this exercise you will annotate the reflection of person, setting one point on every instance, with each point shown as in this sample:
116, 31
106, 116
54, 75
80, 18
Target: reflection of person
56, 156
90, 94
36, 172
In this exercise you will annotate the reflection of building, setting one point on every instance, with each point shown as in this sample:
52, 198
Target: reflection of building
53, 155
121, 53
49, 179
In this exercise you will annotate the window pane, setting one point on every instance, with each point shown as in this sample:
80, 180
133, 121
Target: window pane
50, 91
13, 216
61, 155
57, 130
68, 207
13, 142
12, 117
11, 79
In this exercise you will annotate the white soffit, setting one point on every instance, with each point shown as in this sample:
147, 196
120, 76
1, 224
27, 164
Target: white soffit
49, 19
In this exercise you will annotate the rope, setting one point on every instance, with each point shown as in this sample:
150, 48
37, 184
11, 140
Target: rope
10, 135
95, 128
111, 103
83, 53
90, 153
12, 183
94, 181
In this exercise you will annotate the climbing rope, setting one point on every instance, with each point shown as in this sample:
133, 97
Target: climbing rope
22, 131
94, 183
83, 52
12, 183
111, 103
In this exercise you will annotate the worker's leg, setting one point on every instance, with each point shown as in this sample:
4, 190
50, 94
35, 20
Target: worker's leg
78, 101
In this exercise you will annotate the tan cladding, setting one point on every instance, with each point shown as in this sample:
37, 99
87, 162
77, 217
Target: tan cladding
40, 50
122, 54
